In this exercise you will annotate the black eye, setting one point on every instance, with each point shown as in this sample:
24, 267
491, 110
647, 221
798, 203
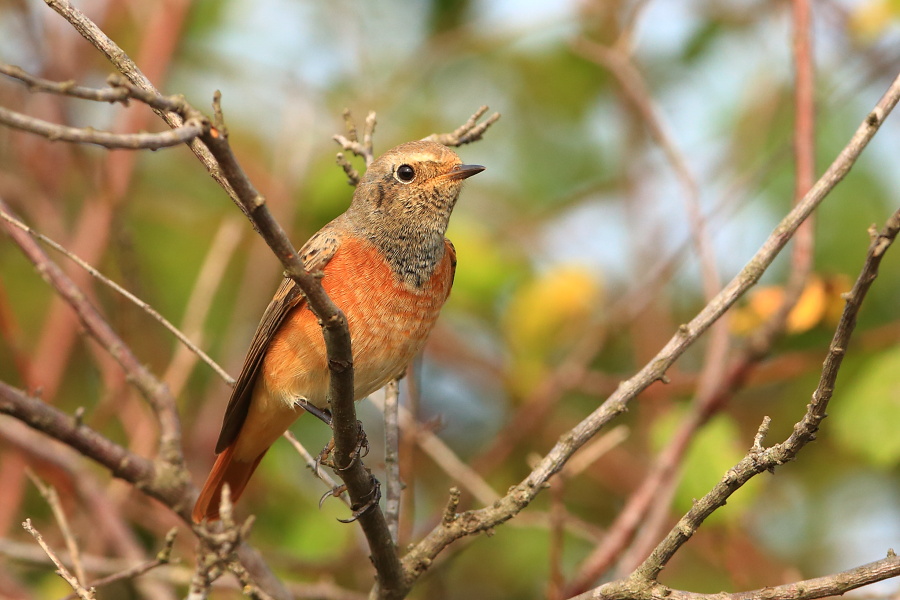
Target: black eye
405, 174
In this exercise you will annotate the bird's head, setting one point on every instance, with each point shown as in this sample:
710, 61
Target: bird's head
411, 188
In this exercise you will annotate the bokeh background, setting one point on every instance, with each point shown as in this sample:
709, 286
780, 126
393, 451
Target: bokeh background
577, 262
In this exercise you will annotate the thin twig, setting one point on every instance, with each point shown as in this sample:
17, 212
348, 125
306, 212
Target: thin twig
642, 583
49, 494
120, 90
418, 559
65, 88
351, 142
113, 285
313, 465
445, 458
190, 130
468, 132
163, 557
84, 594
393, 485
836, 584
156, 394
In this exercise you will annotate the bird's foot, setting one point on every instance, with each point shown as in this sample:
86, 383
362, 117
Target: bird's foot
374, 497
360, 451
323, 457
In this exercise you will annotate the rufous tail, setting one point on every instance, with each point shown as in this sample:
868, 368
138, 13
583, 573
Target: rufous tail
236, 473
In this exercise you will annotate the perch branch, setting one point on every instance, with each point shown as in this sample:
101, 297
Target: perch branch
360, 484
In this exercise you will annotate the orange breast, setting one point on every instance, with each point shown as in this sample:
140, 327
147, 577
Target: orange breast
389, 322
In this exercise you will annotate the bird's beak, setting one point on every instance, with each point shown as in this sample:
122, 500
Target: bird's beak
463, 171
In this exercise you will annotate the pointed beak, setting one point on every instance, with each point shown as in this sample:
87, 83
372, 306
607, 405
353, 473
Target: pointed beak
463, 171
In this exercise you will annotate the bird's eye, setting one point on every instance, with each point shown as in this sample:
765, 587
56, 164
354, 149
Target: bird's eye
405, 174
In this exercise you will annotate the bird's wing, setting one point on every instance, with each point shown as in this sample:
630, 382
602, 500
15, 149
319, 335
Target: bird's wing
315, 255
451, 251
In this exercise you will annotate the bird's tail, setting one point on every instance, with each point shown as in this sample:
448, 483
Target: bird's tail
236, 473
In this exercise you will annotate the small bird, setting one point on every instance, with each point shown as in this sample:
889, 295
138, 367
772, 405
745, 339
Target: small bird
386, 264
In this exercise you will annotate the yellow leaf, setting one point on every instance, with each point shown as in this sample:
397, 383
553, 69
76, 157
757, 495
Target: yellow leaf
810, 307
872, 18
815, 304
837, 286
545, 314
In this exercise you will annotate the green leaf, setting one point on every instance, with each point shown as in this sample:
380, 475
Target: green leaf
718, 446
864, 418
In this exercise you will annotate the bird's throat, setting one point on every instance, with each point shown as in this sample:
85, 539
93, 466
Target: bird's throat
412, 255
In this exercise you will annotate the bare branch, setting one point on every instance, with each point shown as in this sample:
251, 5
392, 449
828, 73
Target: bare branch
111, 284
52, 498
520, 495
351, 143
156, 393
394, 486
758, 460
65, 88
163, 557
642, 583
61, 569
835, 584
312, 465
190, 130
468, 132
352, 173
118, 460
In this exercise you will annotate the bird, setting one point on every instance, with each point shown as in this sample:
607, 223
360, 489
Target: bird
386, 263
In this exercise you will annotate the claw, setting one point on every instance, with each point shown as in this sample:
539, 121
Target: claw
370, 503
360, 451
322, 458
333, 492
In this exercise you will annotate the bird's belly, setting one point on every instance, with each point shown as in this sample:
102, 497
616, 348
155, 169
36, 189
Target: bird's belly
389, 323
386, 337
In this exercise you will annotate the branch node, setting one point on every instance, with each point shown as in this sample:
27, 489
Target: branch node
78, 417
875, 117
761, 434
452, 504
218, 117
164, 556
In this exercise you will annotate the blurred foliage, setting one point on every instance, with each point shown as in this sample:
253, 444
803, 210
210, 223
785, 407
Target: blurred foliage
872, 404
556, 242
